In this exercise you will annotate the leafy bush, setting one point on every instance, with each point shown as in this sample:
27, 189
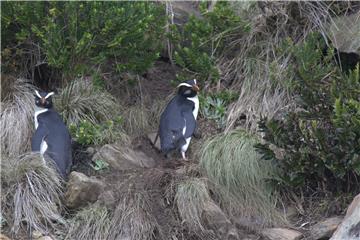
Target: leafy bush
87, 133
73, 35
201, 39
319, 141
214, 106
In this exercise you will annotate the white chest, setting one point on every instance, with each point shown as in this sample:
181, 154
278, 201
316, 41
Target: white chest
195, 100
38, 111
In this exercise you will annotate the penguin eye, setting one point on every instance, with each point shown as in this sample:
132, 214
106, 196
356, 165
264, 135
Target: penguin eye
37, 101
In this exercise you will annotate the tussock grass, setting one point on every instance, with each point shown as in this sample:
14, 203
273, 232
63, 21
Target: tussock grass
92, 222
191, 196
256, 65
143, 117
240, 177
132, 219
16, 120
136, 120
81, 100
31, 194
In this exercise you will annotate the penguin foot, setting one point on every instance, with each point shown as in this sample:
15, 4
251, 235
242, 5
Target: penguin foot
184, 157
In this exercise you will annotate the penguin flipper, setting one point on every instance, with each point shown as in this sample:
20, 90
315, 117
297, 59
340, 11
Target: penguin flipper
190, 123
39, 135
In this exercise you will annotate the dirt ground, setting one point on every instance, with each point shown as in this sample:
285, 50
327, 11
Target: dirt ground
157, 184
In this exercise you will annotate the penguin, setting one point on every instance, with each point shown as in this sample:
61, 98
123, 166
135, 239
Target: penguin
51, 136
178, 120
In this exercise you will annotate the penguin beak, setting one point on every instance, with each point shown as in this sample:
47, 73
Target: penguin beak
42, 101
196, 88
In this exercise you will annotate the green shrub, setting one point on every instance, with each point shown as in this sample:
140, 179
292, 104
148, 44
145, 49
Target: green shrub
320, 140
72, 36
87, 133
214, 106
202, 39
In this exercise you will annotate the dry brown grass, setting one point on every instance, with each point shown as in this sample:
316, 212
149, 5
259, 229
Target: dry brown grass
258, 69
144, 117
81, 100
16, 121
92, 222
132, 219
31, 194
191, 197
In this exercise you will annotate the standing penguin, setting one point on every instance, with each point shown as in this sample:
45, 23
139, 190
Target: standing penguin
178, 121
51, 136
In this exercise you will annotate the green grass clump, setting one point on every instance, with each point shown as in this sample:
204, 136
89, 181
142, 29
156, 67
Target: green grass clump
241, 178
31, 194
81, 100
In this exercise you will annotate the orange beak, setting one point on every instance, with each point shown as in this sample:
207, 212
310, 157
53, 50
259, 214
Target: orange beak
195, 88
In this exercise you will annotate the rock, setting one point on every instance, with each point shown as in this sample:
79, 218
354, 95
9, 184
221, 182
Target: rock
182, 10
353, 205
345, 34
123, 158
325, 228
216, 220
291, 212
82, 190
152, 137
281, 234
107, 199
3, 237
90, 150
349, 229
45, 238
36, 234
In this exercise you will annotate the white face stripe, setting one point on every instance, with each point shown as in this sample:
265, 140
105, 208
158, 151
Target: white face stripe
195, 81
49, 94
37, 93
184, 84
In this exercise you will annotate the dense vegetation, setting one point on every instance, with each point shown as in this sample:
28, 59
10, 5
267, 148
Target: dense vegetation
284, 118
320, 140
78, 38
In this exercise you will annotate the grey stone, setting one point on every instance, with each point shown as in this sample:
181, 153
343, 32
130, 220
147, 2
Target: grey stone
152, 138
3, 237
123, 158
281, 234
349, 229
216, 220
107, 198
325, 228
90, 150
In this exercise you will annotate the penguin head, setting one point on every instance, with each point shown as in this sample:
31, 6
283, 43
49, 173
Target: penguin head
188, 88
43, 99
